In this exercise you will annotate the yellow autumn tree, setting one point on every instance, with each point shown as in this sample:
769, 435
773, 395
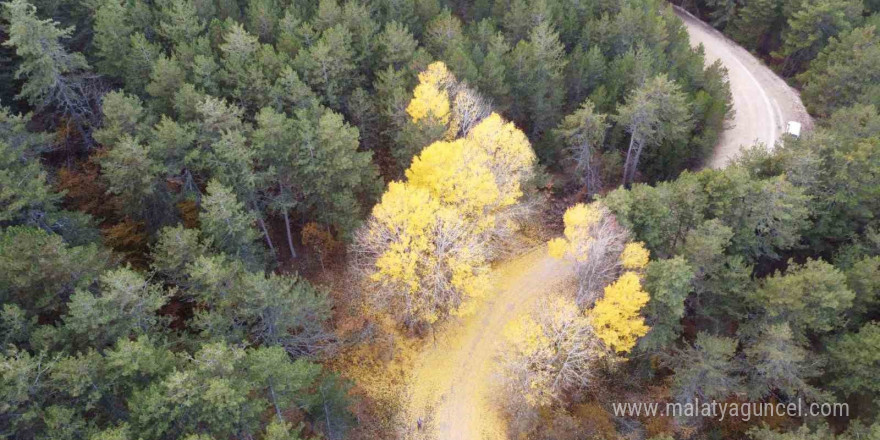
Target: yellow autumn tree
594, 242
425, 247
548, 352
598, 246
420, 257
458, 177
615, 317
430, 103
478, 175
508, 154
438, 75
634, 256
579, 221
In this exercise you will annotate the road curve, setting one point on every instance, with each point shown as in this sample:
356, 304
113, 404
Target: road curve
450, 390
762, 101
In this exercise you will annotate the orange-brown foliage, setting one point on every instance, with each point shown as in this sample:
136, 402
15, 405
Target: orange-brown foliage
129, 239
84, 190
189, 213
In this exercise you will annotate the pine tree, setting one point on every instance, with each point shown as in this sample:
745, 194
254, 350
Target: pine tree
340, 178
537, 69
723, 12
39, 271
756, 23
261, 16
179, 22
854, 358
113, 31
656, 112
228, 224
54, 77
810, 27
124, 116
126, 306
493, 72
706, 370
132, 175
584, 135
329, 66
25, 194
779, 365
810, 297
844, 72
668, 282
397, 46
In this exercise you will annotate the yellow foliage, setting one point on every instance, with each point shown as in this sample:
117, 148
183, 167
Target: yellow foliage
429, 102
525, 335
634, 256
427, 240
421, 276
509, 153
548, 351
578, 220
616, 318
437, 74
406, 214
557, 248
379, 370
457, 176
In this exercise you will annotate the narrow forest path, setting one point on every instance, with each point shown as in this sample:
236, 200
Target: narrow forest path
451, 386
763, 102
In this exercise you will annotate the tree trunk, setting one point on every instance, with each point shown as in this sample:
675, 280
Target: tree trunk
275, 401
628, 163
635, 164
266, 234
326, 413
289, 236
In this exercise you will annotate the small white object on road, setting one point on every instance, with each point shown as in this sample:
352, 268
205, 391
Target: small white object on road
794, 128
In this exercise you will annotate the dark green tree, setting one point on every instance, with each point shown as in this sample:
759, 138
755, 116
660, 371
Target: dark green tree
655, 113
583, 133
669, 283
39, 272
537, 77
707, 370
844, 72
810, 297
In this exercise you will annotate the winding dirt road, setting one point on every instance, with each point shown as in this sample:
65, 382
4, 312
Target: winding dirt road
450, 390
763, 102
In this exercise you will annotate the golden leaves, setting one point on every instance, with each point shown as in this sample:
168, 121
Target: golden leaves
615, 317
427, 238
634, 256
578, 220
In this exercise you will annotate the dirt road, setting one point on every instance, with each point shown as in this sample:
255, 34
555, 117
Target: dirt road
450, 390
763, 102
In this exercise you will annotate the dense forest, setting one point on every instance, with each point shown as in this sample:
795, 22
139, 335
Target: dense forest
244, 218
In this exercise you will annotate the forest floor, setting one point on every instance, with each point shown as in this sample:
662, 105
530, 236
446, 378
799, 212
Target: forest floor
451, 387
763, 102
